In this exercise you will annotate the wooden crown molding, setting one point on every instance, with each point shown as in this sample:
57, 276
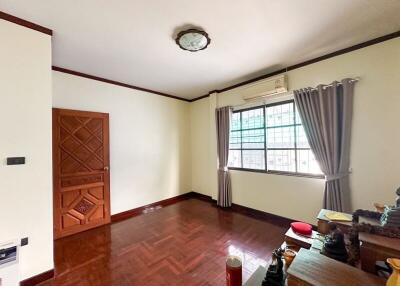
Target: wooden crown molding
308, 62
25, 23
76, 73
293, 67
200, 97
47, 31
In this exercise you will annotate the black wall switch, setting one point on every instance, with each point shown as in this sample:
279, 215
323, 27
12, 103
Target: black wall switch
24, 241
15, 160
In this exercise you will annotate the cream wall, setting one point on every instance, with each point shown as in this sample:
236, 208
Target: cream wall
200, 137
162, 147
374, 146
25, 127
149, 138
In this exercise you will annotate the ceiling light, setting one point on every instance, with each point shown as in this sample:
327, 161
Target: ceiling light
193, 40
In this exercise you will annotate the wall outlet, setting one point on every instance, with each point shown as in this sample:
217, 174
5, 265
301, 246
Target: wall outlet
24, 241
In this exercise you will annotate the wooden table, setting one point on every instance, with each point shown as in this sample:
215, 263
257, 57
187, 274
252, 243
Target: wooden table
376, 248
323, 221
345, 226
298, 241
312, 268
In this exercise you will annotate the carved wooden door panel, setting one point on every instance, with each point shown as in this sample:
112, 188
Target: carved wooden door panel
81, 178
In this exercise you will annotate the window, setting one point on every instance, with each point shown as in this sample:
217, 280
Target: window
271, 138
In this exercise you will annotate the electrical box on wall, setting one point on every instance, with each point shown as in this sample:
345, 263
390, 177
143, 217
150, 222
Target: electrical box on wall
15, 160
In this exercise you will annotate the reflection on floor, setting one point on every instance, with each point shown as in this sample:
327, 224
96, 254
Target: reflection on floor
182, 244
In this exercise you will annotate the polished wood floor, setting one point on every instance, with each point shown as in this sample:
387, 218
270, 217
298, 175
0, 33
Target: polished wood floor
182, 244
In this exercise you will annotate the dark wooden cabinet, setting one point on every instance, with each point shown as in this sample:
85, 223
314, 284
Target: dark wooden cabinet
377, 248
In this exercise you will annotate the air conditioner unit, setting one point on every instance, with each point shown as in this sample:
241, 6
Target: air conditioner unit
9, 265
266, 88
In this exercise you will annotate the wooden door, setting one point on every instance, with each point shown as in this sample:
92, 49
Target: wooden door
81, 178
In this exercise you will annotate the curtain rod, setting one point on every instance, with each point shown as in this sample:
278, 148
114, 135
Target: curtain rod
324, 86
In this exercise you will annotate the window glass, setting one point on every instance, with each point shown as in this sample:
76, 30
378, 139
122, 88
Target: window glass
253, 139
235, 141
271, 138
253, 159
278, 115
235, 158
281, 160
235, 122
280, 137
253, 118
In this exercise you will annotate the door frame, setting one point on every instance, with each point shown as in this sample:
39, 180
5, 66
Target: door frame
56, 162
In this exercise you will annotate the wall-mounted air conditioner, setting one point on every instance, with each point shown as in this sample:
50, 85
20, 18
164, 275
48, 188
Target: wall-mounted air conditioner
266, 88
9, 266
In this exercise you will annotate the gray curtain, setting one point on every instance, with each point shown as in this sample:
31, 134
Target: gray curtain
223, 122
326, 113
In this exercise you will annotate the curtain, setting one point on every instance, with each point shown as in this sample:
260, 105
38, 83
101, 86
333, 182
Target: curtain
326, 113
223, 123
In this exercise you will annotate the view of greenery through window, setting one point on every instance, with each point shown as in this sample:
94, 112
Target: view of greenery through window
270, 138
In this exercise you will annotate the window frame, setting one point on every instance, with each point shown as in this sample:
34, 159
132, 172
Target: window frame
266, 171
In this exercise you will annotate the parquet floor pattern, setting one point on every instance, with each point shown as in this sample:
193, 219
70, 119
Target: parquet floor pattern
182, 244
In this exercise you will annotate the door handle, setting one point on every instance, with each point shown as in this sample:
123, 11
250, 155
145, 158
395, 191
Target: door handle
106, 168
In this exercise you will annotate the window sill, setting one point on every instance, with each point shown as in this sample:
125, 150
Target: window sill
313, 176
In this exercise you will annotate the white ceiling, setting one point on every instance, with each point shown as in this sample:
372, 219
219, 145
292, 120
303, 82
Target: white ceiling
131, 41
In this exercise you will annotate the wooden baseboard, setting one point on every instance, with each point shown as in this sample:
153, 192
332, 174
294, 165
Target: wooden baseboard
272, 218
247, 211
34, 280
195, 195
137, 211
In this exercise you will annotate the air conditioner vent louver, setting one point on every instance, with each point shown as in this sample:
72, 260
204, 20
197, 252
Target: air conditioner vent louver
266, 88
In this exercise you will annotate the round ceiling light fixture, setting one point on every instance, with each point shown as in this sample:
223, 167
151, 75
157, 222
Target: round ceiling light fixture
193, 40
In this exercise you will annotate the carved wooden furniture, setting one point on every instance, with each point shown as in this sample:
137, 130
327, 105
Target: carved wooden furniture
376, 248
309, 267
81, 178
312, 268
343, 225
